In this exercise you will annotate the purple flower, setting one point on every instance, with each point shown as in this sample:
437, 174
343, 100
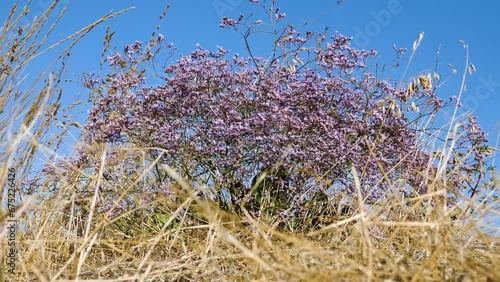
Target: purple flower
160, 38
227, 22
114, 59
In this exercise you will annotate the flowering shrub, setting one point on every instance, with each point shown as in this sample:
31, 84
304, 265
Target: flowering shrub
301, 120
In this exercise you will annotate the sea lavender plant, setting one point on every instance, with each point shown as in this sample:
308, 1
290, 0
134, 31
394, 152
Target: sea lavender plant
300, 119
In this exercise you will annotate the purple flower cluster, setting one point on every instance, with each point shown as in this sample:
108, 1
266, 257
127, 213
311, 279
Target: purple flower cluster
222, 115
223, 122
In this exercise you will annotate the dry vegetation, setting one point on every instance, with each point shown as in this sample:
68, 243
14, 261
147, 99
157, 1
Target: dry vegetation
63, 237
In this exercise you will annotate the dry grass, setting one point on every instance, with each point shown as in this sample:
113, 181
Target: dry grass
67, 238
64, 237
402, 241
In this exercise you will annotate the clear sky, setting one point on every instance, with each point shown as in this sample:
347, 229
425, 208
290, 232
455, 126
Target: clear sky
373, 24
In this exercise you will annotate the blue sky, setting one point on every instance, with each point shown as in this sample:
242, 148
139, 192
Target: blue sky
373, 24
